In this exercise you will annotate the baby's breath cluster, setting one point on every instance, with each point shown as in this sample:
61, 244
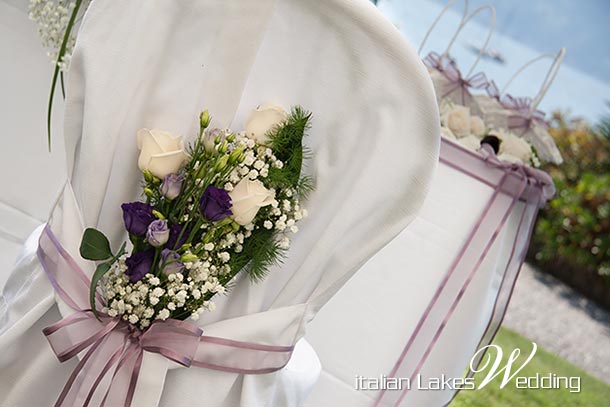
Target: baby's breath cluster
153, 298
52, 17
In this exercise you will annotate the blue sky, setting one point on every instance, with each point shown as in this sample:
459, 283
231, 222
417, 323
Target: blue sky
582, 26
524, 30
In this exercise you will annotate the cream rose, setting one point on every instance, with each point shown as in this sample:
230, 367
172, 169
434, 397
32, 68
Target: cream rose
516, 147
477, 126
471, 142
458, 120
247, 198
161, 153
262, 120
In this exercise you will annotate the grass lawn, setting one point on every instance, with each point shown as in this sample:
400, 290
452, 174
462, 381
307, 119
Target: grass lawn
593, 392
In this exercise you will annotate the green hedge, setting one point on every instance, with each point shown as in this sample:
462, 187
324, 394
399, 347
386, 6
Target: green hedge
572, 235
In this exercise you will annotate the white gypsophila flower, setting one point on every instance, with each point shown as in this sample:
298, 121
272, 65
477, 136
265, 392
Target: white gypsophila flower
284, 243
224, 257
52, 18
268, 224
163, 314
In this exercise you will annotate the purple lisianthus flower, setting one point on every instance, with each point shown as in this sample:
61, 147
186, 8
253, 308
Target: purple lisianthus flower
170, 263
215, 204
157, 233
138, 264
174, 233
210, 136
137, 216
171, 186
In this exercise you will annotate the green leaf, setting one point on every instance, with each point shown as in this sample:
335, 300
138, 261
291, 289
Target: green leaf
101, 269
95, 246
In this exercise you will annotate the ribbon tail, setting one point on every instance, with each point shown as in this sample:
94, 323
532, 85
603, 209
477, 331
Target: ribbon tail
135, 373
68, 386
127, 371
111, 362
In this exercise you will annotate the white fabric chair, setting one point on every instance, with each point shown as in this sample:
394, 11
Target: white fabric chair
375, 137
393, 290
32, 176
426, 320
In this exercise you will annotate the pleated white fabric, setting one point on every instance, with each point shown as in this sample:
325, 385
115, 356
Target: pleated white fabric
375, 136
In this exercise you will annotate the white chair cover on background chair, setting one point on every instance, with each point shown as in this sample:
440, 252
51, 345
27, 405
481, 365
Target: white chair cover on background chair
375, 137
438, 291
32, 176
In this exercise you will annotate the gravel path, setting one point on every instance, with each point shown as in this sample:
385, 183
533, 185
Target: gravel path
562, 321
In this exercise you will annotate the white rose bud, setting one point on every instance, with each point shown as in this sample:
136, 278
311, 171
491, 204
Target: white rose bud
262, 120
458, 121
516, 147
161, 153
247, 198
477, 126
470, 142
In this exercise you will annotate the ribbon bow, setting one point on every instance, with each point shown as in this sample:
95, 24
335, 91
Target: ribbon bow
435, 61
522, 119
114, 349
457, 83
112, 342
531, 175
492, 90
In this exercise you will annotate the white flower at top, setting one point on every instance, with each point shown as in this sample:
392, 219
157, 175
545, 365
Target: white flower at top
262, 120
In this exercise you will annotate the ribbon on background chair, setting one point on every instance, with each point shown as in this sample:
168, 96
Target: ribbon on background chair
512, 183
114, 348
456, 87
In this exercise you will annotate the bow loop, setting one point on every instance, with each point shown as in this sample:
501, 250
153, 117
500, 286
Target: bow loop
113, 347
457, 83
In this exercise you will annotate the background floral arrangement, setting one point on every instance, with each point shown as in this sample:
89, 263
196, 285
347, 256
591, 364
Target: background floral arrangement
226, 204
459, 125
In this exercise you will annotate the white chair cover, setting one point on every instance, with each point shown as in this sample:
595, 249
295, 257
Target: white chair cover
375, 137
395, 288
438, 291
25, 73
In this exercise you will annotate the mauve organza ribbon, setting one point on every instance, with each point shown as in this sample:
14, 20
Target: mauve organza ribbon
113, 343
448, 68
511, 183
521, 119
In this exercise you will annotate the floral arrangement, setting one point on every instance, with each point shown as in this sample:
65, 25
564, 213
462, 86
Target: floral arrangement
226, 204
459, 125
